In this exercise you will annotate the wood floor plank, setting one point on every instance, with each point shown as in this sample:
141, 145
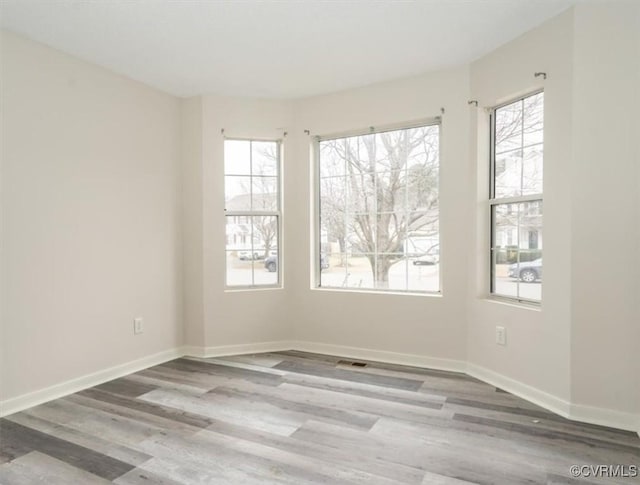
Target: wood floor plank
169, 384
146, 407
366, 390
357, 404
358, 459
467, 440
240, 365
145, 476
125, 387
542, 420
113, 423
356, 442
548, 434
242, 461
265, 378
258, 416
262, 360
330, 413
91, 441
75, 455
349, 375
435, 479
123, 423
39, 468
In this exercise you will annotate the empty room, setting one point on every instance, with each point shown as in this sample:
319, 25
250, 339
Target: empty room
303, 241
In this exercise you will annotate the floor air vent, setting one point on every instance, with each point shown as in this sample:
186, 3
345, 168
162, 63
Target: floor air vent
354, 364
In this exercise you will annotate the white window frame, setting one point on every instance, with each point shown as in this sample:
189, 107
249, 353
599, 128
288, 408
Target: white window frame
316, 233
250, 213
494, 202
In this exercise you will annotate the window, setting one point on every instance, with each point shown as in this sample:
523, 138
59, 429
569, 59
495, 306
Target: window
252, 208
516, 199
378, 210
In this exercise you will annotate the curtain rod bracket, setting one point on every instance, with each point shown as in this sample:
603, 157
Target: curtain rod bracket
538, 74
473, 102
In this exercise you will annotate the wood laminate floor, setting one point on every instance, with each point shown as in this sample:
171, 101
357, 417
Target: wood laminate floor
296, 418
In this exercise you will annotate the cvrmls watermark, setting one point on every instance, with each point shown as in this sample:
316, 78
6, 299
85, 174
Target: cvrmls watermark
604, 471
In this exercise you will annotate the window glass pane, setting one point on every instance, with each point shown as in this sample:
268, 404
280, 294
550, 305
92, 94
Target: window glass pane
268, 274
334, 219
237, 157
423, 272
265, 234
518, 148
383, 213
508, 174
239, 251
508, 127
533, 108
390, 271
532, 170
334, 266
333, 155
265, 194
424, 147
517, 250
237, 193
239, 268
503, 283
264, 158
360, 274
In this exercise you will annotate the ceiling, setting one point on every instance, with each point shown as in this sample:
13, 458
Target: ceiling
274, 49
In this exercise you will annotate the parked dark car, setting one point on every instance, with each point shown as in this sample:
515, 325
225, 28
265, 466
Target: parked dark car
527, 272
426, 260
271, 263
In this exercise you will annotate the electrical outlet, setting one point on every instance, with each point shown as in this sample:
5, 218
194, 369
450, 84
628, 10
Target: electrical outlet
501, 335
138, 325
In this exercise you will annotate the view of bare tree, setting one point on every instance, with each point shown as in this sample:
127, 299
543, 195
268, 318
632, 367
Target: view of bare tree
377, 190
255, 189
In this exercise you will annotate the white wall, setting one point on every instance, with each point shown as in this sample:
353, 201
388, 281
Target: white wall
431, 326
605, 249
238, 317
192, 220
90, 208
537, 350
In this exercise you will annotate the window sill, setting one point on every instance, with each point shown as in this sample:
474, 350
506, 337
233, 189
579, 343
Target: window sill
513, 303
244, 289
377, 292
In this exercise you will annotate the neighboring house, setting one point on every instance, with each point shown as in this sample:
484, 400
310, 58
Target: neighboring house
525, 233
239, 228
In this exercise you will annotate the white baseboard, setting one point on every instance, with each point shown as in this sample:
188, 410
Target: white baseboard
520, 389
13, 405
380, 356
605, 417
239, 349
575, 412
